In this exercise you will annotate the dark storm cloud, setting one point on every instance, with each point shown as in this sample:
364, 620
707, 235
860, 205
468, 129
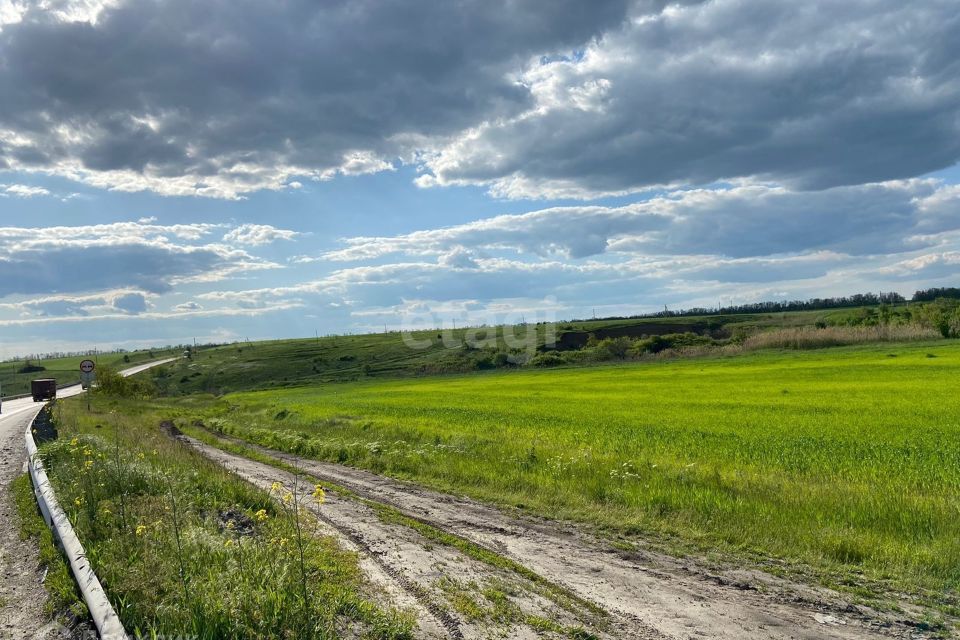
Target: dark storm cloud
815, 94
570, 98
239, 95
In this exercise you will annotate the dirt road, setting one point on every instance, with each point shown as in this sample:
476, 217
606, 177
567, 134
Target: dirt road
576, 580
22, 596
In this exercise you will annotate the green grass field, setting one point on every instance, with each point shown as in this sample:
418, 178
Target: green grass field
842, 462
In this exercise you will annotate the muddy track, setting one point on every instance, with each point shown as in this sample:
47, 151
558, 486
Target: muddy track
451, 593
647, 594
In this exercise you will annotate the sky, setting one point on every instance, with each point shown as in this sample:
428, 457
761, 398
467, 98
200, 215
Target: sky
226, 170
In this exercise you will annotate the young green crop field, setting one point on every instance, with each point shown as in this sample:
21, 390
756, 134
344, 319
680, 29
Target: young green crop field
842, 463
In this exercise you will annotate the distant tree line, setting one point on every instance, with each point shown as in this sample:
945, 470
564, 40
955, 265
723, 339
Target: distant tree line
777, 306
929, 295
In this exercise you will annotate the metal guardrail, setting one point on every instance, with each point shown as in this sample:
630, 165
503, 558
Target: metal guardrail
104, 617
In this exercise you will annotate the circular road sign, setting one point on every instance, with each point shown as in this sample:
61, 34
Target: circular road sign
87, 366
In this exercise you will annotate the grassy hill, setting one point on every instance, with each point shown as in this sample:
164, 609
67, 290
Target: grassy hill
290, 363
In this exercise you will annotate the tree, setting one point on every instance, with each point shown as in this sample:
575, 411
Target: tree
617, 347
110, 382
943, 315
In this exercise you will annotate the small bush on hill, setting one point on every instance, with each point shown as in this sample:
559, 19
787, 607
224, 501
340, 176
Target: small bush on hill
549, 359
29, 367
616, 347
110, 382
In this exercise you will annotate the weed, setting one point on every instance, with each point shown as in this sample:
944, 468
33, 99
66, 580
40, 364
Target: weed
149, 514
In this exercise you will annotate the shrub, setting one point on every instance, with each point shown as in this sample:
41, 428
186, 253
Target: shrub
943, 315
616, 347
656, 344
110, 382
549, 359
29, 367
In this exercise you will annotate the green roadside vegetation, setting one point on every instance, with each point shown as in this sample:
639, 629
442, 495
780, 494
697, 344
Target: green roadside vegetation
15, 375
184, 547
842, 463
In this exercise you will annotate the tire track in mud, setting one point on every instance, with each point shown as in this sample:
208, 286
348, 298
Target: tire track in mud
649, 595
433, 621
427, 572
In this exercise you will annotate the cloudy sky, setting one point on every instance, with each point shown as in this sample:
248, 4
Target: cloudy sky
225, 169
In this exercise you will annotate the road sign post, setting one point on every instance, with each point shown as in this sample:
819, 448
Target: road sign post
86, 377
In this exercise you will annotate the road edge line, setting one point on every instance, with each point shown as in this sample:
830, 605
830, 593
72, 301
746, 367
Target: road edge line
104, 616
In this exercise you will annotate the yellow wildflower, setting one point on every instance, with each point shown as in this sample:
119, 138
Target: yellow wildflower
276, 486
88, 464
87, 451
319, 494
141, 529
140, 456
260, 515
231, 525
283, 542
228, 542
74, 442
287, 497
78, 501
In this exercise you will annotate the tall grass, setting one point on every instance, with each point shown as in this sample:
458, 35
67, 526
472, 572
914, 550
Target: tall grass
183, 547
818, 338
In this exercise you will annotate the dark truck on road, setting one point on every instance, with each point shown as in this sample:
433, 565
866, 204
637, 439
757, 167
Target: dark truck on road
43, 389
